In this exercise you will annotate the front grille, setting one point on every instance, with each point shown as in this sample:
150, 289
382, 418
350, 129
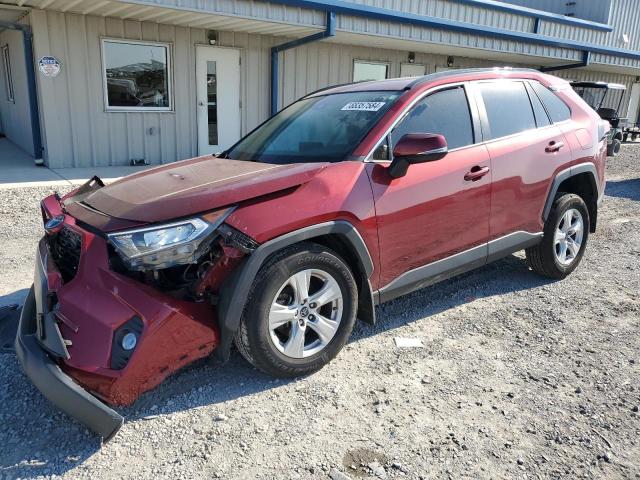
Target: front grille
65, 249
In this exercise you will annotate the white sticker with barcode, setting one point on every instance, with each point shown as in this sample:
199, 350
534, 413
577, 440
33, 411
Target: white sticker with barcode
364, 106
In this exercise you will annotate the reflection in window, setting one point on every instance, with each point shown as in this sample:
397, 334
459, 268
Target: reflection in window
212, 103
364, 71
137, 75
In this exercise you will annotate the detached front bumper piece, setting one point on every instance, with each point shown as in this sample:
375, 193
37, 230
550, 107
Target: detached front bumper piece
32, 339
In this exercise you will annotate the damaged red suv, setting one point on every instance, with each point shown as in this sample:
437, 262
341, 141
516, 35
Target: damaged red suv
350, 197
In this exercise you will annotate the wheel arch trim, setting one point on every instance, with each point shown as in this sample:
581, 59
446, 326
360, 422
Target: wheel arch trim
235, 289
566, 174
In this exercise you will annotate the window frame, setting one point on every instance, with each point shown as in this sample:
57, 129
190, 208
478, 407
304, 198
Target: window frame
8, 75
476, 123
370, 62
168, 48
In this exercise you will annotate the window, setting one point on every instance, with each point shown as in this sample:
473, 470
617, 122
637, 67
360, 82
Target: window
6, 63
136, 75
324, 128
364, 71
557, 109
508, 107
542, 119
445, 112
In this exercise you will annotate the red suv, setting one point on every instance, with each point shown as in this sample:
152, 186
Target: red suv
348, 198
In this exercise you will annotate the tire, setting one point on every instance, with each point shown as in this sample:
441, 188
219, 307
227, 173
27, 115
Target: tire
614, 149
270, 345
546, 258
625, 138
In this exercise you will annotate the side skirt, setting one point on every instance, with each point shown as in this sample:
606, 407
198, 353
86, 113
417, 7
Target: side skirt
445, 268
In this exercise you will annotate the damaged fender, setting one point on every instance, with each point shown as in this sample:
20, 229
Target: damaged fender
235, 289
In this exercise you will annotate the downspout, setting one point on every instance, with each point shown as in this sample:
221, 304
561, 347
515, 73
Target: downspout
330, 31
586, 60
27, 41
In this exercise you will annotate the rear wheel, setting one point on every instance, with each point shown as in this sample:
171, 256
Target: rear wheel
614, 149
300, 311
565, 237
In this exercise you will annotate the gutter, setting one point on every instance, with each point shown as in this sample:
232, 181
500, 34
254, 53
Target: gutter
586, 60
27, 40
330, 31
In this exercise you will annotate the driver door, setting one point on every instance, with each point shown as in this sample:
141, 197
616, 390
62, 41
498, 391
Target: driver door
436, 211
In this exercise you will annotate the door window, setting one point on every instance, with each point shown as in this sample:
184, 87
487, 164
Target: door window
508, 108
6, 62
558, 110
445, 112
212, 103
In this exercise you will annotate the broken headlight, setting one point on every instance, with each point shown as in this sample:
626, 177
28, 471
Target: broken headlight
163, 246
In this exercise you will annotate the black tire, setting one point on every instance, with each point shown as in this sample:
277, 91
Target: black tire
614, 149
542, 258
253, 338
625, 138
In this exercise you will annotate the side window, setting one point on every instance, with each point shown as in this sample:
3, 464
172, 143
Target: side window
542, 119
445, 112
558, 110
508, 107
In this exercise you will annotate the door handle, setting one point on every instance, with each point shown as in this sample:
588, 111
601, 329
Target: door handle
476, 173
553, 146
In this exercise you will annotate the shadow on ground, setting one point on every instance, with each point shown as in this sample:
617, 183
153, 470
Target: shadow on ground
45, 441
624, 189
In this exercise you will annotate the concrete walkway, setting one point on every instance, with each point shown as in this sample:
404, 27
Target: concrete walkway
18, 170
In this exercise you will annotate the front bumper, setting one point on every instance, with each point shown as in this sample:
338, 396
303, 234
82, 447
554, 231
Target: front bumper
47, 376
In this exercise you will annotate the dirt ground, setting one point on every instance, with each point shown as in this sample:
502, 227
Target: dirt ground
519, 377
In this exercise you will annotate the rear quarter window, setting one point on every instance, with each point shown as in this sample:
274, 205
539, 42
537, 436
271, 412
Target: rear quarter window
558, 110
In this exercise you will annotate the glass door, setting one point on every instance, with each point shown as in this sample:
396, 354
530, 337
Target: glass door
218, 98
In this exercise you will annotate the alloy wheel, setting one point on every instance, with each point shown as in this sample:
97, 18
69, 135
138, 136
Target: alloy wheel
305, 313
568, 237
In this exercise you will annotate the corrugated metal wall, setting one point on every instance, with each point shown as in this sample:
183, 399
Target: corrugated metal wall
78, 132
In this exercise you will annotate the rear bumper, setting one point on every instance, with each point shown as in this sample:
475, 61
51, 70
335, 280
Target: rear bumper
47, 376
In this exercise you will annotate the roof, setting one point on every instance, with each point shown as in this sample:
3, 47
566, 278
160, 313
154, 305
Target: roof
408, 83
611, 86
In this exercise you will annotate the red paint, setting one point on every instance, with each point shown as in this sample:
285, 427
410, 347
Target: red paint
440, 208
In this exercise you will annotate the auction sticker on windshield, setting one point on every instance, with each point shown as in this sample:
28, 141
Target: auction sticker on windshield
364, 106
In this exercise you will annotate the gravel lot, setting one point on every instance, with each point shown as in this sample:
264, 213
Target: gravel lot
518, 377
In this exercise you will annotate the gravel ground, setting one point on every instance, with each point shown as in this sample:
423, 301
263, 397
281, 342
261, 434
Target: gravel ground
518, 377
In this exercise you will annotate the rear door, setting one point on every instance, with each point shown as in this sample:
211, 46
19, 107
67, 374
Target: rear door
526, 149
437, 210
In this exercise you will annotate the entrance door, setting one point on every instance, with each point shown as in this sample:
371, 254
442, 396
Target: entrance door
633, 115
218, 98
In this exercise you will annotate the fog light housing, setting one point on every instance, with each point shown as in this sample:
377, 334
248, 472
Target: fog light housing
125, 340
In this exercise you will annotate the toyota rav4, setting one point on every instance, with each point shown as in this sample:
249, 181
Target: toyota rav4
350, 197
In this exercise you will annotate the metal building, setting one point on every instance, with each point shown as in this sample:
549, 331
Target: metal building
109, 82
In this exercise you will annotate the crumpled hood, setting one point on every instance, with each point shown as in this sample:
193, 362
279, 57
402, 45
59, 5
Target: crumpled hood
193, 186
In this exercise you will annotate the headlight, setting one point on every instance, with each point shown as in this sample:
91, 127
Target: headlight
167, 245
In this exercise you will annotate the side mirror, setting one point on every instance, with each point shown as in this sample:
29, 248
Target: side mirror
416, 148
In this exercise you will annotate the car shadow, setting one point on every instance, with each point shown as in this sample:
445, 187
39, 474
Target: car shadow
624, 189
44, 441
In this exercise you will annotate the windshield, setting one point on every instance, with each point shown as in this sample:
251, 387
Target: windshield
317, 129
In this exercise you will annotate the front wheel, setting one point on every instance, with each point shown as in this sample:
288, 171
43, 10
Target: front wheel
614, 149
565, 237
300, 311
